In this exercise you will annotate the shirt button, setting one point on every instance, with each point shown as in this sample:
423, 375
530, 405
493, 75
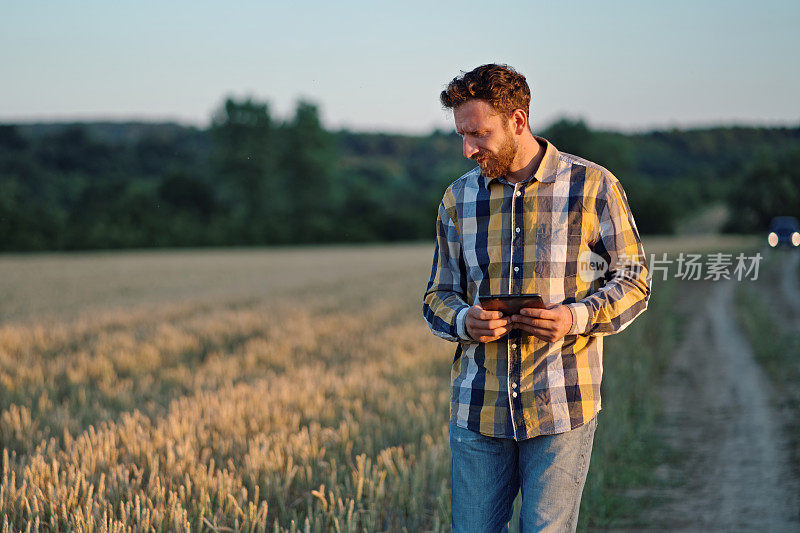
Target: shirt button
514, 394
517, 230
513, 346
516, 269
513, 385
519, 193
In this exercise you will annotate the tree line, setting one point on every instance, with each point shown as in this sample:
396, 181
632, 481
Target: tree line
250, 179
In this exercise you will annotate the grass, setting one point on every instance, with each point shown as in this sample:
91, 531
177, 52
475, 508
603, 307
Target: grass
258, 390
627, 448
249, 417
776, 345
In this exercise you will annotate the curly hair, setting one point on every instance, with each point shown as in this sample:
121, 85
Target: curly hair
501, 86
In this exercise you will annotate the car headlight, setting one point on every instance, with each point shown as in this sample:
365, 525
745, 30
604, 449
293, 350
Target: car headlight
795, 239
772, 239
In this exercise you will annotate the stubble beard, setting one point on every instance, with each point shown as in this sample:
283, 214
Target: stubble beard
495, 166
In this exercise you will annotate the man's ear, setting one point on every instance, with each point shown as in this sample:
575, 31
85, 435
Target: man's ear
519, 121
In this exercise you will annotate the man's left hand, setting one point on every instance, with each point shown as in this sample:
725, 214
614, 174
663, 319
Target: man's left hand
549, 324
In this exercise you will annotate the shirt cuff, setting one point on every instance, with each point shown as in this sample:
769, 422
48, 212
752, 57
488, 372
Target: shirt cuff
461, 325
580, 318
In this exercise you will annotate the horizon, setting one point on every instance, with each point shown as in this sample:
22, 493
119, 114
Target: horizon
431, 131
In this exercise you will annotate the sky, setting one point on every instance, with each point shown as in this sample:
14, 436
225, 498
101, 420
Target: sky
379, 65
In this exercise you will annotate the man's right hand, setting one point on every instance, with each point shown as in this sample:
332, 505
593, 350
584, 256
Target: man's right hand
486, 326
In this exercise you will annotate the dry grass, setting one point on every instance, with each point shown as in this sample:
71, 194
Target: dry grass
303, 391
223, 390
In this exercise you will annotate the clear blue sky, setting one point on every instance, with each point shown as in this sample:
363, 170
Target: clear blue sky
380, 65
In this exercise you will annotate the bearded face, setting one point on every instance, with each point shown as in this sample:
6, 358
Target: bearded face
497, 164
488, 137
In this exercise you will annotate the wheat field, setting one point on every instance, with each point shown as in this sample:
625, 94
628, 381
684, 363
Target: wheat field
280, 390
250, 390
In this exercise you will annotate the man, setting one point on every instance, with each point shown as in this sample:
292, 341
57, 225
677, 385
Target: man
526, 387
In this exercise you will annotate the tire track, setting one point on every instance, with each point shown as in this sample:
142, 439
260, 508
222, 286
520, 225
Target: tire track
736, 475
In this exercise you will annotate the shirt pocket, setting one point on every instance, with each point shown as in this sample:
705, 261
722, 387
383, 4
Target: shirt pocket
557, 248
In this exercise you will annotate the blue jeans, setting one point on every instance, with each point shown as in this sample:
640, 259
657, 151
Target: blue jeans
488, 472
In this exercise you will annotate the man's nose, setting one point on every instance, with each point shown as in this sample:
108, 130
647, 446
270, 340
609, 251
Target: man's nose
469, 148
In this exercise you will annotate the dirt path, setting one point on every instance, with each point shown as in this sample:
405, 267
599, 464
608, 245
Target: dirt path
736, 475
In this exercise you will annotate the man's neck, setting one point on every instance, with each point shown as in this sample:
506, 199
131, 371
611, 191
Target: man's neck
528, 158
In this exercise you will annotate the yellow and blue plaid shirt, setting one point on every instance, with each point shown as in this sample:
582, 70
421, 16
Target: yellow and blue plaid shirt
494, 237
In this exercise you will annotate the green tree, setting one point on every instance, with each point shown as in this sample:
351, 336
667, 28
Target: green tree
244, 161
769, 188
611, 150
308, 164
655, 206
184, 192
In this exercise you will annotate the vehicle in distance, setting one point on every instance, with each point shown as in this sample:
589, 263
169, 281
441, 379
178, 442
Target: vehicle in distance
784, 231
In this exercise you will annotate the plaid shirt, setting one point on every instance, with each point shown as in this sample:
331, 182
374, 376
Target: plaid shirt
494, 237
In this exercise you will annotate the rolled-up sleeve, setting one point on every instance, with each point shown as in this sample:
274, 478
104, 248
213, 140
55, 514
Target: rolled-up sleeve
444, 304
626, 291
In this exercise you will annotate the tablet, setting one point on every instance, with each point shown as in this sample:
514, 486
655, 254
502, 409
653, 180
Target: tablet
510, 304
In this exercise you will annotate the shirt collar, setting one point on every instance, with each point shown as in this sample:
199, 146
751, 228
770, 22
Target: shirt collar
548, 166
